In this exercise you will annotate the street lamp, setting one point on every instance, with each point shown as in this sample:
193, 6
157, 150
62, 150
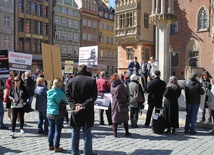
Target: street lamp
170, 59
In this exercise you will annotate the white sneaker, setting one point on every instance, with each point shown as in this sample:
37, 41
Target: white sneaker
12, 134
22, 131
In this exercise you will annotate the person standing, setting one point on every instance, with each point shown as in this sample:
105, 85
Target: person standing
41, 105
2, 126
9, 86
210, 102
193, 89
205, 81
155, 88
119, 105
152, 67
135, 106
81, 94
104, 87
170, 112
55, 116
30, 84
144, 74
18, 96
133, 67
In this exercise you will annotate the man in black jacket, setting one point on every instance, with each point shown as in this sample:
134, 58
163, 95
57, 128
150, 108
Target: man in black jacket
81, 93
193, 89
155, 88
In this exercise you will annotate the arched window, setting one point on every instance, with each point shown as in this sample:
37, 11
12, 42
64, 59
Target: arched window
20, 5
202, 19
34, 7
28, 6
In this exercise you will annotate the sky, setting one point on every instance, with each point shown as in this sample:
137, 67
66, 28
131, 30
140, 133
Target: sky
112, 3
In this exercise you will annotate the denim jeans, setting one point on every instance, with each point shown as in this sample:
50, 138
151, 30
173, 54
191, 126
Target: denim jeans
191, 117
1, 114
87, 137
54, 133
42, 120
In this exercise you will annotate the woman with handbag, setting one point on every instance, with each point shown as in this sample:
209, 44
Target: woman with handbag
136, 100
119, 104
18, 96
55, 116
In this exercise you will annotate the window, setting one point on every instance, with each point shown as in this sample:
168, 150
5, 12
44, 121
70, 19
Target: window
45, 11
21, 44
34, 47
76, 24
106, 15
70, 12
64, 22
122, 21
70, 50
174, 59
6, 42
89, 37
202, 19
101, 26
34, 7
101, 14
64, 10
111, 17
70, 23
57, 20
27, 45
107, 40
110, 28
101, 53
101, 38
7, 3
21, 24
70, 36
27, 26
106, 27
129, 53
28, 6
64, 49
84, 22
21, 6
39, 30
76, 51
64, 36
107, 54
94, 38
76, 37
6, 20
146, 20
45, 29
89, 23
129, 18
34, 26
57, 34
94, 24
146, 53
39, 10
111, 41
174, 28
84, 36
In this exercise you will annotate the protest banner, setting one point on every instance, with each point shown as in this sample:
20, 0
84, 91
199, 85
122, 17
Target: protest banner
69, 67
103, 101
88, 56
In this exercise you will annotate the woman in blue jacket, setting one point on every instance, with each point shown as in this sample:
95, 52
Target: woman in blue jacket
55, 116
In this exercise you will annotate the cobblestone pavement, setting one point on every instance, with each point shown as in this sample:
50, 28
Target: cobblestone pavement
142, 141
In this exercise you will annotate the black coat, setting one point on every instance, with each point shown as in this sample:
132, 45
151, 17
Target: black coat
171, 107
30, 84
82, 89
156, 88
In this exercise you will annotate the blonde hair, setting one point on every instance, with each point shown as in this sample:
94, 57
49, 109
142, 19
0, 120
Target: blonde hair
57, 83
40, 81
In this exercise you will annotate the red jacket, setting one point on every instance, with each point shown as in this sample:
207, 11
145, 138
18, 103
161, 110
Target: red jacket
103, 85
8, 87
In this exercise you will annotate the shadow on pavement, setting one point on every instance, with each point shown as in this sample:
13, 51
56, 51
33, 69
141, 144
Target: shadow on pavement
4, 150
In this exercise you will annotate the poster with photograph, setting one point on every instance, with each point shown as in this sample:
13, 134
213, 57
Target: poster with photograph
103, 101
88, 56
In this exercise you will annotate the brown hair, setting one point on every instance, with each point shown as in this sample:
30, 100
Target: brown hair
114, 77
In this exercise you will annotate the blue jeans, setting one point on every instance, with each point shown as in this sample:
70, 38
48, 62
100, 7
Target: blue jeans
54, 133
42, 118
1, 114
75, 137
191, 117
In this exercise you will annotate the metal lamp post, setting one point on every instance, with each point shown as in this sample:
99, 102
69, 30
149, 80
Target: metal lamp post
163, 16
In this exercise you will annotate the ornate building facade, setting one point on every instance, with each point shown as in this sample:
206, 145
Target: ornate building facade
192, 37
134, 34
67, 29
7, 25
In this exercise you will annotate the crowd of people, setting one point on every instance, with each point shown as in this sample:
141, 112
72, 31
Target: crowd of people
80, 93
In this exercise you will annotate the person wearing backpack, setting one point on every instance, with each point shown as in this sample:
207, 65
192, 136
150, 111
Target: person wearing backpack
135, 105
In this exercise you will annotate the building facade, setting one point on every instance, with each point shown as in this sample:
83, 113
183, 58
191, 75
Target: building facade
192, 37
67, 29
107, 46
33, 26
7, 25
133, 32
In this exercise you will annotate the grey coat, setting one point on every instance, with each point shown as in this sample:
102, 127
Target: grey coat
119, 96
133, 87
